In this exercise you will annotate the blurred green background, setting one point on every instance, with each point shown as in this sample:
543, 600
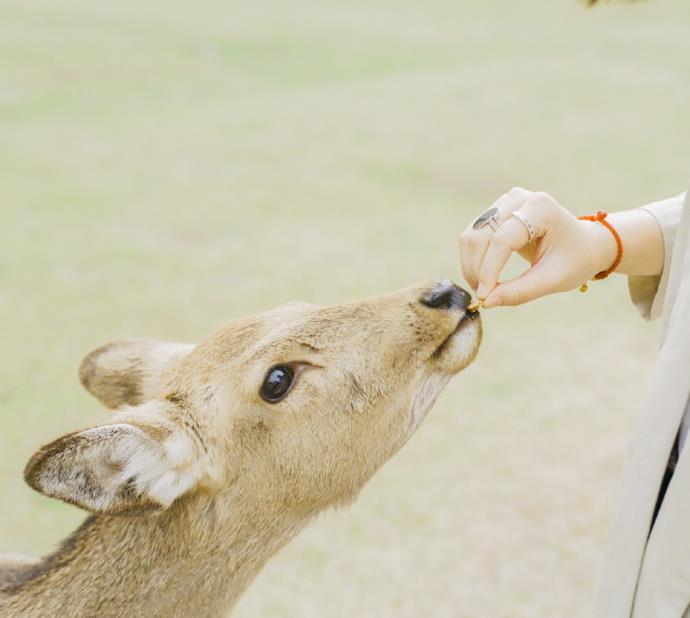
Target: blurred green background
168, 166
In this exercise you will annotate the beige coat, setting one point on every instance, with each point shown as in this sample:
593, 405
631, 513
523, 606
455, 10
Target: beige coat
648, 576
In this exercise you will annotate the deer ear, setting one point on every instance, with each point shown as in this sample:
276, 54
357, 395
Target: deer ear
115, 468
130, 372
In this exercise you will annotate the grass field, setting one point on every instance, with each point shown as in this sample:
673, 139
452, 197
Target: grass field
167, 166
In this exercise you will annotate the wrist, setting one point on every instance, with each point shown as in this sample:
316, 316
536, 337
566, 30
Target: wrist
602, 244
643, 241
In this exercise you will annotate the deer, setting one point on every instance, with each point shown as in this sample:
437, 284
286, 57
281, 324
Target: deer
218, 454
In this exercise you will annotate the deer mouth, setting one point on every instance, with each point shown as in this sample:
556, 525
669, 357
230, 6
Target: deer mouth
460, 345
469, 318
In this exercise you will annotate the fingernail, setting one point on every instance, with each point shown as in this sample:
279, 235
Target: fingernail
492, 301
481, 291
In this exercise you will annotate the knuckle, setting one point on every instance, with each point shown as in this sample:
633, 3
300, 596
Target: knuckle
520, 194
469, 240
543, 199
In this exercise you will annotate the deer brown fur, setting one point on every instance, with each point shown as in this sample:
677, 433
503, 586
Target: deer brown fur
196, 481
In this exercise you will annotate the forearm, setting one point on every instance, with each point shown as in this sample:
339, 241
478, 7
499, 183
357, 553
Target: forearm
643, 242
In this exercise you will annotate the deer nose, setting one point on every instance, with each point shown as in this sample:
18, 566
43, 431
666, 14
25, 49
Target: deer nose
446, 295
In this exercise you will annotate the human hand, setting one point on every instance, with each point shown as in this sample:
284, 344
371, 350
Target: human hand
564, 253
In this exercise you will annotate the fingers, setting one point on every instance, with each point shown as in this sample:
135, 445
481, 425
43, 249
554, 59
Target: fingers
512, 200
474, 243
538, 281
472, 248
510, 237
513, 235
484, 253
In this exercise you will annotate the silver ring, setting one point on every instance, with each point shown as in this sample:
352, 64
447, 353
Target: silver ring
525, 221
487, 218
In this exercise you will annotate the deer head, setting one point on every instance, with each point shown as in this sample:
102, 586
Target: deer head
303, 403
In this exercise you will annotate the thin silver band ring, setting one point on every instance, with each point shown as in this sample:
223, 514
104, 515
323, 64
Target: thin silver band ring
526, 222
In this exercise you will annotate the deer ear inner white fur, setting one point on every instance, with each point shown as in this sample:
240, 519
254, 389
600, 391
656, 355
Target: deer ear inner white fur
115, 468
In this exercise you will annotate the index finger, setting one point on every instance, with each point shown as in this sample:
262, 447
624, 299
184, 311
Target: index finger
511, 236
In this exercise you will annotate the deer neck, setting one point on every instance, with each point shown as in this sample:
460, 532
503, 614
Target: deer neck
194, 559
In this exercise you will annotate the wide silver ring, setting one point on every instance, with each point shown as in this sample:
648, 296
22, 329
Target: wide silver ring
520, 216
487, 218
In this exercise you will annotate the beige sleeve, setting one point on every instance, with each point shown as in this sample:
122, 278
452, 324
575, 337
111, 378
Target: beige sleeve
647, 292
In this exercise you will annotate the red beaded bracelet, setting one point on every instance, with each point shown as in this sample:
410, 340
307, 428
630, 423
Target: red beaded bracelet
600, 217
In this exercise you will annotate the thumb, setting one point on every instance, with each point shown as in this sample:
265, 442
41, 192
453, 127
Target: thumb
534, 283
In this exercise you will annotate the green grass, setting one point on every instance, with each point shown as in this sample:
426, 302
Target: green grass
168, 166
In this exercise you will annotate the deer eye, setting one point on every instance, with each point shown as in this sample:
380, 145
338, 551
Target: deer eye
277, 383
